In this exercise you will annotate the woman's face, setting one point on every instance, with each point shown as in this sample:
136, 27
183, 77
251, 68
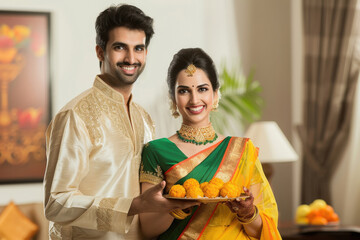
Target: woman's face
194, 98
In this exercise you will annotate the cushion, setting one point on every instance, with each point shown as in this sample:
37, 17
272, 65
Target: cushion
15, 225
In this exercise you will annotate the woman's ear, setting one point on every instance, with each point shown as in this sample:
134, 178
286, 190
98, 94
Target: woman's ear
174, 110
216, 100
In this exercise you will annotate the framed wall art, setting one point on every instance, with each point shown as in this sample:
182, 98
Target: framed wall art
24, 94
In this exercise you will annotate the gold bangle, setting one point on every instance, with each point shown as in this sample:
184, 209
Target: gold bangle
248, 221
180, 214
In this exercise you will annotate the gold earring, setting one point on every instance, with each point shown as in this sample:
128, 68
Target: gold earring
174, 111
215, 105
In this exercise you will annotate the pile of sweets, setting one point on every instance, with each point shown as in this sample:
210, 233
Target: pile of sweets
317, 213
212, 189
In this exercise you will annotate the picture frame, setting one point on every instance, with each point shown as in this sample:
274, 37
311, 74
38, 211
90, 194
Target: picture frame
25, 99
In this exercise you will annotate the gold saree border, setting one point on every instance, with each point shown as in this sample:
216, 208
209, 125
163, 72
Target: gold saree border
203, 213
226, 171
183, 168
231, 159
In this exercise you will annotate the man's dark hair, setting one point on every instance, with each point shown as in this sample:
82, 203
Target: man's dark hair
122, 16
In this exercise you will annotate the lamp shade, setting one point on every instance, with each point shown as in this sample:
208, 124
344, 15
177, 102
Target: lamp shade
271, 141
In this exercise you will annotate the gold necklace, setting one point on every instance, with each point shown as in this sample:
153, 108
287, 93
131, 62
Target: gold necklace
197, 135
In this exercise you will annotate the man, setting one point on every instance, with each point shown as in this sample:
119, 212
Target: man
94, 143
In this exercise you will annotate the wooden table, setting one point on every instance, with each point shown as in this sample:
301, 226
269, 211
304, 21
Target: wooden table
290, 231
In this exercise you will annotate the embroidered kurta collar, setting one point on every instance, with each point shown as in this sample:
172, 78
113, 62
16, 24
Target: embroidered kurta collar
109, 91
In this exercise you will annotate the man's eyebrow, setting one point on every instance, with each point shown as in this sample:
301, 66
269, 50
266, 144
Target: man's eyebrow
118, 44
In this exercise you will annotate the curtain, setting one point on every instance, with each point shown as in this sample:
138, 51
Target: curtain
330, 78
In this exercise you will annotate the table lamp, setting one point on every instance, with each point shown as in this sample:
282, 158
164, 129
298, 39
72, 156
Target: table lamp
272, 143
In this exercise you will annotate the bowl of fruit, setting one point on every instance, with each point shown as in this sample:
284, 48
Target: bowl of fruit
317, 213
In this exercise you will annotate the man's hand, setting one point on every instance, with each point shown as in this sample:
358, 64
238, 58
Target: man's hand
152, 200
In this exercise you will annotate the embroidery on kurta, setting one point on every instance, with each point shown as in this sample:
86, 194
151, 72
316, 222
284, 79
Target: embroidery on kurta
105, 213
92, 107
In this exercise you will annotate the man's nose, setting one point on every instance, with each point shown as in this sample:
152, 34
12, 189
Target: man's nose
130, 57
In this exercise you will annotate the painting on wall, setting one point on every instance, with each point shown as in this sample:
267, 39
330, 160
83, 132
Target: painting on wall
24, 94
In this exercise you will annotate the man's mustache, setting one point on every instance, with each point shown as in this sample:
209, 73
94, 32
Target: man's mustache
119, 64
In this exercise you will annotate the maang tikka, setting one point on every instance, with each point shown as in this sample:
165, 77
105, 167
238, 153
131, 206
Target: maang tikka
190, 70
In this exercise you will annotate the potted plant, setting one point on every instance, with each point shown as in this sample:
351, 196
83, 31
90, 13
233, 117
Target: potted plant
240, 103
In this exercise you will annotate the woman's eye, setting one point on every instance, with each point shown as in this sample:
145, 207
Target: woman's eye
182, 91
203, 89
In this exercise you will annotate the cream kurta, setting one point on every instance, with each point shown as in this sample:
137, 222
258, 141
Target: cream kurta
93, 158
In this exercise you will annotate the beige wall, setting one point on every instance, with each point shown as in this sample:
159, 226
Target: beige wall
265, 38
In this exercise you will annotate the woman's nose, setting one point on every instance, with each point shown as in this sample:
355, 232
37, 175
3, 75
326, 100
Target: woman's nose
194, 98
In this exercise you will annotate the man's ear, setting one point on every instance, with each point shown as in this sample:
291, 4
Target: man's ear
99, 53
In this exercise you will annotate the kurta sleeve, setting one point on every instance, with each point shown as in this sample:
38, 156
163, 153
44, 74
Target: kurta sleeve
150, 170
68, 149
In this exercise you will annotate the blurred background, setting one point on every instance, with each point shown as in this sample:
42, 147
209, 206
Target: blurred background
267, 37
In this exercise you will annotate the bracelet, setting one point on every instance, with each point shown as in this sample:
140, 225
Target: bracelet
248, 221
180, 214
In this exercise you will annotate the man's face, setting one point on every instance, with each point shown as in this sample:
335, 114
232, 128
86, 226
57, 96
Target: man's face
125, 55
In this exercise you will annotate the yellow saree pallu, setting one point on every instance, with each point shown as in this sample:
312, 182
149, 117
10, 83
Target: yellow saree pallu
233, 159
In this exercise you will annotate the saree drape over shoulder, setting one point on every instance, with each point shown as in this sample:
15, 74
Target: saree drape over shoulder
233, 159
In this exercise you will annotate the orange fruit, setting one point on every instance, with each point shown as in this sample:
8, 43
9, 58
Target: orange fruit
318, 221
313, 214
333, 218
326, 212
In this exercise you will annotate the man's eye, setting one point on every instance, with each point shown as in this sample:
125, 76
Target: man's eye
119, 47
139, 49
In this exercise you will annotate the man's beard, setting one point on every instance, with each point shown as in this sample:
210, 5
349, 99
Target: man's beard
129, 79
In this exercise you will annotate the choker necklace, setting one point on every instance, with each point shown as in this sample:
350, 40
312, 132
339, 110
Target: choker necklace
197, 135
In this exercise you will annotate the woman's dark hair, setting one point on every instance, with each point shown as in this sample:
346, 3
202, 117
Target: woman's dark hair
122, 16
183, 59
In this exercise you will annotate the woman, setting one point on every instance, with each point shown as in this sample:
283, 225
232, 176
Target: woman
197, 151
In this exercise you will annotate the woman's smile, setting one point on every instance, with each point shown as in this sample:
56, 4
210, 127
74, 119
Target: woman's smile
196, 109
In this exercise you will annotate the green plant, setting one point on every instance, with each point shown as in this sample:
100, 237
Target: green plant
240, 101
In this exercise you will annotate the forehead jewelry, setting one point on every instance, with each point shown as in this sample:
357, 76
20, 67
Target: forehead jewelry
190, 70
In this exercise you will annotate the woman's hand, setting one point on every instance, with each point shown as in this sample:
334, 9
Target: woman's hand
244, 208
247, 214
